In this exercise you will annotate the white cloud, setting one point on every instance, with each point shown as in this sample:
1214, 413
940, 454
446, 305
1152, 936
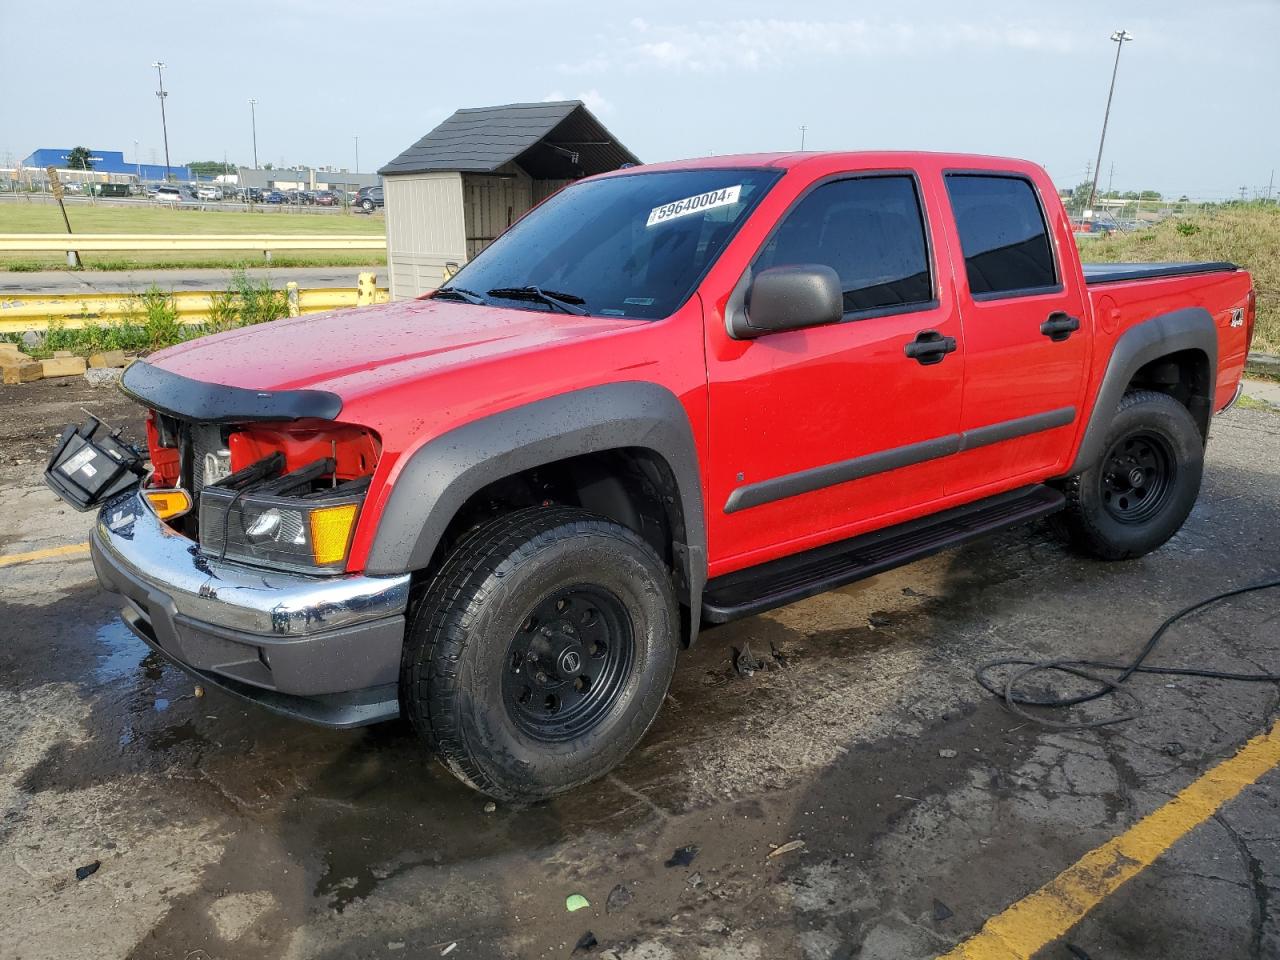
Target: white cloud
751, 45
595, 101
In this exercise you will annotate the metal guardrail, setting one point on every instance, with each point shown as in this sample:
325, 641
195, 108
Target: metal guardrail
265, 242
22, 312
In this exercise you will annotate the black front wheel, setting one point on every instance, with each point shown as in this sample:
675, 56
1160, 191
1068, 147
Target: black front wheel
540, 653
1141, 491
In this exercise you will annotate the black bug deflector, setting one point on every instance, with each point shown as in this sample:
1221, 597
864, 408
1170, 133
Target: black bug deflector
188, 399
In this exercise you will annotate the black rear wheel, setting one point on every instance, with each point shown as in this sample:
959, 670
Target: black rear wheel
541, 652
1142, 490
1138, 477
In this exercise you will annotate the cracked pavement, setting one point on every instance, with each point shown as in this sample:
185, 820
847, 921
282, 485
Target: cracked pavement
923, 806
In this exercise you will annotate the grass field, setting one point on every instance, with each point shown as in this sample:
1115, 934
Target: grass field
1247, 235
139, 218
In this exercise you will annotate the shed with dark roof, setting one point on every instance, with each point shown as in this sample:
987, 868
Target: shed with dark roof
449, 195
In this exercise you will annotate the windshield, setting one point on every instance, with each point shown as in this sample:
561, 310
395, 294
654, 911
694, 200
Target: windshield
628, 246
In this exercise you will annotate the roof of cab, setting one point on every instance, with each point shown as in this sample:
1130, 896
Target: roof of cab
853, 159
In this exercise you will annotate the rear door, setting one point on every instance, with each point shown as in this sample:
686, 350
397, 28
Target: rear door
822, 432
1025, 332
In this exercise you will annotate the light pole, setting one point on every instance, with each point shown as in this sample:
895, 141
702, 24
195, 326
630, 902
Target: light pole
357, 154
253, 119
164, 126
1120, 37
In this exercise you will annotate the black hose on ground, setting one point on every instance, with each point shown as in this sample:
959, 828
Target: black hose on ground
1007, 690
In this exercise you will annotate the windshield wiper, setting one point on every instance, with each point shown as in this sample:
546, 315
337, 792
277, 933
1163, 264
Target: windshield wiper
461, 293
568, 302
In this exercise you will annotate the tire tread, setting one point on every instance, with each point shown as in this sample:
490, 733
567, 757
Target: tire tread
438, 630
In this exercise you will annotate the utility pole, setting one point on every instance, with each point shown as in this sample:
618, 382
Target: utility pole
164, 126
1120, 37
253, 119
803, 128
1111, 177
357, 154
1271, 183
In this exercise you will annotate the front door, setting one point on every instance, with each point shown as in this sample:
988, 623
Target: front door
1026, 347
820, 433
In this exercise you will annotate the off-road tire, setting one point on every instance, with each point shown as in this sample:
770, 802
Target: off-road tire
457, 648
1094, 521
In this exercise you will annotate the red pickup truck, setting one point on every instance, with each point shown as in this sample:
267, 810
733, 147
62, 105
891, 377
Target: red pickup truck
670, 396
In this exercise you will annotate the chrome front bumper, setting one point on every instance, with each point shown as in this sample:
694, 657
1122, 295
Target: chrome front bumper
324, 649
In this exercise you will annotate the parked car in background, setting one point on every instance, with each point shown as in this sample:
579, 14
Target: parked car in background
367, 198
326, 198
167, 195
1093, 226
275, 196
208, 192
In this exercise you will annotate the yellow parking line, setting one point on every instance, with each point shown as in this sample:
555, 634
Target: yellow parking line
8, 560
1044, 916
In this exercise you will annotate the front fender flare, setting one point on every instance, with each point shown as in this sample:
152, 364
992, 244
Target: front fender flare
443, 473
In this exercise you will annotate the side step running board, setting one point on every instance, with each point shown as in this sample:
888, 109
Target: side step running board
786, 580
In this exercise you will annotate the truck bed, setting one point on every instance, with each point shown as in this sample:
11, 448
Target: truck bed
1096, 273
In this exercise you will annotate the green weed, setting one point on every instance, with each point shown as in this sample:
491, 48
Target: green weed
1247, 234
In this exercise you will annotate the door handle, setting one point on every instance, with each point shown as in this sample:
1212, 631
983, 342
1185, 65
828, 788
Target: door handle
929, 347
1059, 326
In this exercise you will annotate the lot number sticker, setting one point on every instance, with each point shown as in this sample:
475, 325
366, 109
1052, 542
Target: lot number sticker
703, 201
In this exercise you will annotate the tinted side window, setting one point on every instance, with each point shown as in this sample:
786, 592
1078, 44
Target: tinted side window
1002, 233
870, 231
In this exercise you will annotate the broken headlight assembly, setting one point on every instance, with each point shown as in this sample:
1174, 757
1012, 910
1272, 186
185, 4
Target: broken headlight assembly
91, 464
301, 521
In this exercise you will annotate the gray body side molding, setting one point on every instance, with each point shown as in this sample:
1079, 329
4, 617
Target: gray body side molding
440, 477
1191, 328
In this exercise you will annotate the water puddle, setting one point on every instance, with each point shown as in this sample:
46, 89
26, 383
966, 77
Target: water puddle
121, 653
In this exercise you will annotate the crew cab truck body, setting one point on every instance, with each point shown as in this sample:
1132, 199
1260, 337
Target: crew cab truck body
669, 396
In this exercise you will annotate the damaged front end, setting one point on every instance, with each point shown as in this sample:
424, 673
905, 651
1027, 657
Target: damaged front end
230, 547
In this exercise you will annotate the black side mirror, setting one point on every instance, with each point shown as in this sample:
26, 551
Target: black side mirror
789, 298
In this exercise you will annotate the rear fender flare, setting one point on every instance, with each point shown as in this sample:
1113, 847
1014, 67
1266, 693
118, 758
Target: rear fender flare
1191, 328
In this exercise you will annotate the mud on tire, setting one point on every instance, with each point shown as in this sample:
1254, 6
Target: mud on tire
540, 652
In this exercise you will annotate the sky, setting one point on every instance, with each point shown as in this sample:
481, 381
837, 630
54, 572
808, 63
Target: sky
1196, 110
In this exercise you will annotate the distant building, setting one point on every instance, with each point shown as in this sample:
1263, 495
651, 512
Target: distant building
107, 165
305, 178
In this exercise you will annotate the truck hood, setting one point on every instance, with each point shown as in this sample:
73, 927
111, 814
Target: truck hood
358, 351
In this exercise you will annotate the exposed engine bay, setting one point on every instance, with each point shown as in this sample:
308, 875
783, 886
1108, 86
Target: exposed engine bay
285, 496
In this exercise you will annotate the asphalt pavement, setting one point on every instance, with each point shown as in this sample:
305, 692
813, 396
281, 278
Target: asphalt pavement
910, 809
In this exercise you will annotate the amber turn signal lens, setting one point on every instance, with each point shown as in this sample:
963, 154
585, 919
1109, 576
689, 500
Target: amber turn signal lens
168, 503
331, 532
